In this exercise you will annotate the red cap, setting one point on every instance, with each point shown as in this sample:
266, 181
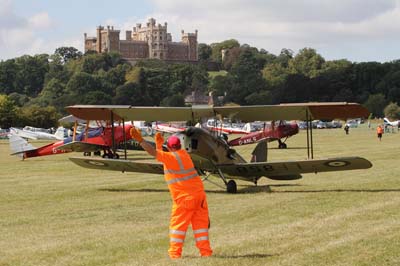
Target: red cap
174, 142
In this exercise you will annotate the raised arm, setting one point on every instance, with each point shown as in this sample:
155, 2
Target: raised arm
136, 135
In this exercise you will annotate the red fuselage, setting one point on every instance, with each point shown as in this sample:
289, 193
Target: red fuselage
270, 134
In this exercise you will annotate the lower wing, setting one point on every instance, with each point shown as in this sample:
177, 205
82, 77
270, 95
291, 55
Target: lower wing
119, 165
292, 169
80, 146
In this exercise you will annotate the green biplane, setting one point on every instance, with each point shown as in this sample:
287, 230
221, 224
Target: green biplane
212, 155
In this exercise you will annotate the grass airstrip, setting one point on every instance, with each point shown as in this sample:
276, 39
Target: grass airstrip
53, 212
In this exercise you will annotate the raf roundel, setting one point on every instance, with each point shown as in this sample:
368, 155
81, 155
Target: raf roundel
337, 163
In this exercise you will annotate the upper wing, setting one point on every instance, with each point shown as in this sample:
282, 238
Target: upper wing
303, 111
80, 146
285, 170
119, 165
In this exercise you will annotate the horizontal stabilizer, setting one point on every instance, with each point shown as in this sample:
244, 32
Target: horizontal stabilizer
119, 165
293, 169
18, 145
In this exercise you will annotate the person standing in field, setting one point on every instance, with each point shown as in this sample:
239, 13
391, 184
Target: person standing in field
187, 192
379, 132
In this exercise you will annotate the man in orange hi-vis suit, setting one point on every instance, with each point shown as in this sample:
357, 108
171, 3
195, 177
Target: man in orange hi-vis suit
187, 191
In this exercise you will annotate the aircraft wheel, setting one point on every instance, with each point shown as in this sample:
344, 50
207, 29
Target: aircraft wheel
231, 187
97, 153
282, 145
86, 153
115, 156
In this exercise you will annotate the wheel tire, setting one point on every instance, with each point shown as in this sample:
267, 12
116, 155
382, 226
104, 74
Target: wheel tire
115, 156
284, 146
231, 187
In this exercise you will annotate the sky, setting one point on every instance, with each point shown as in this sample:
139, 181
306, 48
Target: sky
357, 30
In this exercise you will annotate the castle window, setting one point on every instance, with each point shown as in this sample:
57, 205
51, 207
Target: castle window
160, 37
155, 54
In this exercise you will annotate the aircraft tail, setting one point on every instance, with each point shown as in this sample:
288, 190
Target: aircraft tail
19, 146
60, 133
260, 152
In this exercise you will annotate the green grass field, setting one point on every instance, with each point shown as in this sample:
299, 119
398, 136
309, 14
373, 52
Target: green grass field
55, 213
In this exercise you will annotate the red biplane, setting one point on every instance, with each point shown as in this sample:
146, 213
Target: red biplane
95, 140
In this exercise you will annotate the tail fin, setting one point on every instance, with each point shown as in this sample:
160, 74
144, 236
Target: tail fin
60, 133
19, 146
260, 152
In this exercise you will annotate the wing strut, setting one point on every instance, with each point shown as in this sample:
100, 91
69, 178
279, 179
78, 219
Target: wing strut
123, 132
310, 146
112, 133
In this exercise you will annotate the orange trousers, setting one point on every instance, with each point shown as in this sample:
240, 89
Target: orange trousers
185, 211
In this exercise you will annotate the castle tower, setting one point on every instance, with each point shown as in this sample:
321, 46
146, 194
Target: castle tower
157, 39
191, 40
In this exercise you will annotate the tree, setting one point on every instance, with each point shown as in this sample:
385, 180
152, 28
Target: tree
392, 111
7, 112
176, 100
375, 104
37, 116
246, 78
307, 62
217, 48
67, 53
204, 51
8, 74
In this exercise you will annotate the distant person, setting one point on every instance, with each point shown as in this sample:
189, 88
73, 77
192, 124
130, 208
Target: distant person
187, 191
346, 129
379, 132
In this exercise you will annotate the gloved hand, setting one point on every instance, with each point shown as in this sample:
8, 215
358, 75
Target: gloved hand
136, 135
159, 141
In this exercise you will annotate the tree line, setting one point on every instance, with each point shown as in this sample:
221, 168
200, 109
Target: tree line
34, 90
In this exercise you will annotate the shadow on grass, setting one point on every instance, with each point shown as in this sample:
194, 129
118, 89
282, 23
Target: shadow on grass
288, 148
227, 256
251, 189
251, 256
338, 190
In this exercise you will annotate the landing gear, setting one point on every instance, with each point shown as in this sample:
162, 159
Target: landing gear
282, 145
110, 155
231, 187
87, 153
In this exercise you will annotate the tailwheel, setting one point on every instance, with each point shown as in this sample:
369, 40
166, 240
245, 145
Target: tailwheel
282, 145
231, 187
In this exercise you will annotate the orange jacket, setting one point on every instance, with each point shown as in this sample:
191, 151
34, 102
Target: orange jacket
379, 130
179, 172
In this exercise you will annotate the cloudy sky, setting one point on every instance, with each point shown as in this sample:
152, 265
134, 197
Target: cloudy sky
358, 30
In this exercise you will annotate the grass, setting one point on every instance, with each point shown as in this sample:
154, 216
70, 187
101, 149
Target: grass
55, 213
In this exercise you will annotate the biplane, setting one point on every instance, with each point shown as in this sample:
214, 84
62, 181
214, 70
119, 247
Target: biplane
277, 131
95, 140
212, 155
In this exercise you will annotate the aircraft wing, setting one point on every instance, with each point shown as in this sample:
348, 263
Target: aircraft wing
80, 146
281, 170
300, 111
119, 165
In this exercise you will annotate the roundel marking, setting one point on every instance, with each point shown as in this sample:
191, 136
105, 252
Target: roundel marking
336, 163
96, 163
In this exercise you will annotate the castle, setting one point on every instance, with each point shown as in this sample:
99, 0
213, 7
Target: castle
152, 41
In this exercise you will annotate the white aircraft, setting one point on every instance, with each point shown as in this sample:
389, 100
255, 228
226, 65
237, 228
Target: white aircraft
35, 133
386, 121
